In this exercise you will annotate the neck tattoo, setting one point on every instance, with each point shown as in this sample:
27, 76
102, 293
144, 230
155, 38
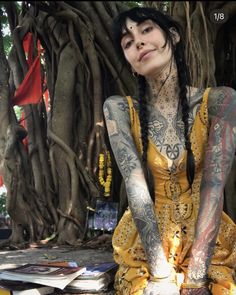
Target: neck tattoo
157, 85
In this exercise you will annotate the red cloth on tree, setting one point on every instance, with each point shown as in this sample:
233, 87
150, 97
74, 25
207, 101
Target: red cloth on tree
28, 45
46, 99
23, 123
30, 90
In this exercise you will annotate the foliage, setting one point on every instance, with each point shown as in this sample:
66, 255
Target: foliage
3, 210
7, 39
134, 3
7, 44
7, 36
18, 111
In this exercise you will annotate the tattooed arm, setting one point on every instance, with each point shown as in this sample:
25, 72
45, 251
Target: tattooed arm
218, 161
117, 118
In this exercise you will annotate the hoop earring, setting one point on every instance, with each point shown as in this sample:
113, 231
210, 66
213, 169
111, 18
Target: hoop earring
134, 74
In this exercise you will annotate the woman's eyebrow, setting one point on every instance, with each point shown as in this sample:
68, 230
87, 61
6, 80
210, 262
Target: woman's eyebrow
125, 33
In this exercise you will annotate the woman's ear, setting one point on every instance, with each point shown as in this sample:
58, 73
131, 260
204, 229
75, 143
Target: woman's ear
174, 35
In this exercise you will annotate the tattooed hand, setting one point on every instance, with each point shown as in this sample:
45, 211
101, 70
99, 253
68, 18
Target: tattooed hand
156, 288
198, 291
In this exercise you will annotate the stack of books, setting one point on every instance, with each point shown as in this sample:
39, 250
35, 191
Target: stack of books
96, 278
45, 278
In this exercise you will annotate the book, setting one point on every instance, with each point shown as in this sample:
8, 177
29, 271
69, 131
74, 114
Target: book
97, 270
48, 275
23, 288
97, 277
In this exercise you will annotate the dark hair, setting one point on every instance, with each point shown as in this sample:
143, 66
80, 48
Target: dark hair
165, 22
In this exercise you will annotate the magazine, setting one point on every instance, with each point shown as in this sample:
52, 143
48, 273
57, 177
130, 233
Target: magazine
97, 277
105, 216
48, 275
23, 288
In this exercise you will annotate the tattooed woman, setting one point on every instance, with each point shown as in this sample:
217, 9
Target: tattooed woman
174, 238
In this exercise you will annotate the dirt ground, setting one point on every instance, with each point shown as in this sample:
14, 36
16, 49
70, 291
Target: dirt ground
95, 252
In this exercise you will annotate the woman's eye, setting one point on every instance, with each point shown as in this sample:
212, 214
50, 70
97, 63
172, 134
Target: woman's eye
128, 44
147, 29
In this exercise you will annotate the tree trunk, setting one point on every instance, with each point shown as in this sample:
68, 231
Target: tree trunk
56, 181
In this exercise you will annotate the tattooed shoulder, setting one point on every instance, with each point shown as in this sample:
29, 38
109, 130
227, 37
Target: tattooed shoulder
115, 103
116, 112
117, 118
222, 103
195, 98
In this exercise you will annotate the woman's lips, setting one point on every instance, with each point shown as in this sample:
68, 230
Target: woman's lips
145, 54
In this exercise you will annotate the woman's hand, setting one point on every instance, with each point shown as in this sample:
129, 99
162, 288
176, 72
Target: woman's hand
161, 288
198, 291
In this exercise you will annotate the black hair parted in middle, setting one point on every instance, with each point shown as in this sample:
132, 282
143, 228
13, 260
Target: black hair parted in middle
167, 25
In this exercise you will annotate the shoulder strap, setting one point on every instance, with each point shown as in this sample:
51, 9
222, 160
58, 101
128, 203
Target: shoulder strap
135, 124
131, 109
205, 106
206, 94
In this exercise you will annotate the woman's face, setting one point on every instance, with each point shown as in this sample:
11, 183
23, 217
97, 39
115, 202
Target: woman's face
143, 48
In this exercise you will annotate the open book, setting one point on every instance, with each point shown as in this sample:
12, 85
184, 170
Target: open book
48, 275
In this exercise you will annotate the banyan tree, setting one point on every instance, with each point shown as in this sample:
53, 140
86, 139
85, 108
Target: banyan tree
55, 157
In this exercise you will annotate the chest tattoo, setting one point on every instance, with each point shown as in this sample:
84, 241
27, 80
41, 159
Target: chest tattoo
166, 128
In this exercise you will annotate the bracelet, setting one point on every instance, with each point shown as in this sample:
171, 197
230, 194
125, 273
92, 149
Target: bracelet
194, 285
157, 279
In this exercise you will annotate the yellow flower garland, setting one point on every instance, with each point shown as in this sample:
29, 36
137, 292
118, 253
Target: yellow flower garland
105, 183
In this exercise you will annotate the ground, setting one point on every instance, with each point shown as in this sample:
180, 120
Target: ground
95, 251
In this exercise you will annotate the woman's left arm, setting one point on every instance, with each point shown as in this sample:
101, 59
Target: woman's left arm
219, 157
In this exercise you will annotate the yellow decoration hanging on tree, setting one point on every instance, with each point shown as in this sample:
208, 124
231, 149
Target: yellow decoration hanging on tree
105, 183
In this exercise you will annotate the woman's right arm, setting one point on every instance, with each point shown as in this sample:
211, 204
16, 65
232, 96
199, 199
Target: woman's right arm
118, 124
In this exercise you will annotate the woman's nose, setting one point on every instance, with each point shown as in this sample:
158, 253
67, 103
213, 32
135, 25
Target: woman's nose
139, 44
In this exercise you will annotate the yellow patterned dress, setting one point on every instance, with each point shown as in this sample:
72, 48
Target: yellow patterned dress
176, 208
